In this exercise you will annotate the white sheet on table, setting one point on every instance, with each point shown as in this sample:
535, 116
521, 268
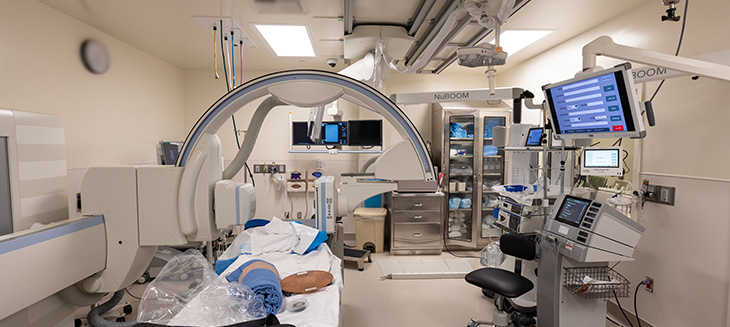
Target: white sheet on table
276, 236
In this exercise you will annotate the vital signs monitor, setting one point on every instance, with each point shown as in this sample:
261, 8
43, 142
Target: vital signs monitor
602, 161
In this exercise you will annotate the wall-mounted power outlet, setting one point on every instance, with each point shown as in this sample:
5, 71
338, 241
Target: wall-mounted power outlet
649, 284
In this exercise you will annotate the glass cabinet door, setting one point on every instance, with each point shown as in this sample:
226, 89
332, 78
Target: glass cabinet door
460, 176
492, 174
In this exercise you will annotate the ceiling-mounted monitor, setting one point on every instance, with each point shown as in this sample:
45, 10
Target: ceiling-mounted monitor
600, 104
365, 132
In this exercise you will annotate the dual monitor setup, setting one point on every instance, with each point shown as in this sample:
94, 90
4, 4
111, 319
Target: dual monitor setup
364, 133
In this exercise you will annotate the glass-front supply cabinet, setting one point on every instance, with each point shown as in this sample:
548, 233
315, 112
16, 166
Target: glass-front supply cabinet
471, 165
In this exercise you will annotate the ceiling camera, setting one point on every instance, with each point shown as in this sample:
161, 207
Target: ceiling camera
332, 62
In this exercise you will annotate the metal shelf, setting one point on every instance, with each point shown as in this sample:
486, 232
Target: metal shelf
469, 174
461, 209
462, 139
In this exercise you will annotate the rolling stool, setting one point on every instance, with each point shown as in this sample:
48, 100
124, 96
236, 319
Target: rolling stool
504, 284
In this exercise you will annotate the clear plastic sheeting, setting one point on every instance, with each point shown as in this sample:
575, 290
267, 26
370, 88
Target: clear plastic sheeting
188, 292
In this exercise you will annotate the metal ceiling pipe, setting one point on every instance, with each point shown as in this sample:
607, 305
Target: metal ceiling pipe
349, 16
431, 33
423, 9
463, 22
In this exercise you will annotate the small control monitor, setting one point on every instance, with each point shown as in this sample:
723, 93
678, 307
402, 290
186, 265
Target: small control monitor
572, 210
365, 132
601, 104
602, 161
534, 137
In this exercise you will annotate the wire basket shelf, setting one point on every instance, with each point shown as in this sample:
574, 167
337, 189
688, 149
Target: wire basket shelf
595, 282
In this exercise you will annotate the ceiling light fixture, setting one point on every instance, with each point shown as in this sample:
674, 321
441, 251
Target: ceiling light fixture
513, 41
287, 40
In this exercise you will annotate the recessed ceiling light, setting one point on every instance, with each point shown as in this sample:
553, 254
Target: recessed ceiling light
287, 40
513, 41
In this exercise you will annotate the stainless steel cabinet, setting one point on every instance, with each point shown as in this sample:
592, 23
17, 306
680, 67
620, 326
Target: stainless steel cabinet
462, 148
416, 223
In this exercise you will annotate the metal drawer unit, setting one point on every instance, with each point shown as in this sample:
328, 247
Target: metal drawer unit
416, 223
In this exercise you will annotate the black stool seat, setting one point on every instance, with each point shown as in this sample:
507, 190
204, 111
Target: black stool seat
501, 282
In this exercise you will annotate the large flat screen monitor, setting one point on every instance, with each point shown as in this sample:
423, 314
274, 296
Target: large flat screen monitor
365, 132
596, 105
300, 134
334, 133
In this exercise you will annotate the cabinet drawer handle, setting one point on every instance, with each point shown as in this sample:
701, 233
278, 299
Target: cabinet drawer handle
418, 204
417, 234
417, 217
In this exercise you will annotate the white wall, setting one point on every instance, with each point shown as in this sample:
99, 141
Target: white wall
685, 248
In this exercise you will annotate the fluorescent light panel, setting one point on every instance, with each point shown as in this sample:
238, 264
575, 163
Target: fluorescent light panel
287, 40
513, 41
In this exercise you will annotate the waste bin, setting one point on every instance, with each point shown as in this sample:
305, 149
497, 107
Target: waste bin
370, 228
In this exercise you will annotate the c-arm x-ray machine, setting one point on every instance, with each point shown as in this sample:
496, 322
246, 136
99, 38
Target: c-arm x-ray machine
129, 211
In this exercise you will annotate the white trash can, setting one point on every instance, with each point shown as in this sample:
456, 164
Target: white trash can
370, 228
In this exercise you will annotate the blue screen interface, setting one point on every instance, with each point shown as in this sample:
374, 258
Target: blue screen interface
334, 133
533, 137
594, 105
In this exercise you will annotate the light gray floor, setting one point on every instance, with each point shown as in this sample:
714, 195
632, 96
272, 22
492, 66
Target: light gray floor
368, 301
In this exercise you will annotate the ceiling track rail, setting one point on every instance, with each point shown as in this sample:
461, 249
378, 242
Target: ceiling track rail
420, 16
421, 45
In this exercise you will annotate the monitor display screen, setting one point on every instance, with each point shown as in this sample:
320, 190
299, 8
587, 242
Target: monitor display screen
300, 132
602, 158
334, 133
365, 132
572, 210
595, 105
534, 136
170, 152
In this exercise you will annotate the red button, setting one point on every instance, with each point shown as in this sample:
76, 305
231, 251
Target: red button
618, 128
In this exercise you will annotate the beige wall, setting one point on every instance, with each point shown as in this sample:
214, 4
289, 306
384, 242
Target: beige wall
110, 119
685, 248
114, 118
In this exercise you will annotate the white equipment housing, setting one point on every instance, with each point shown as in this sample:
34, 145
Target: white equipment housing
325, 195
235, 202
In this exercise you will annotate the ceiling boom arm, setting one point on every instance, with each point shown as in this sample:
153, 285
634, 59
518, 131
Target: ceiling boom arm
605, 46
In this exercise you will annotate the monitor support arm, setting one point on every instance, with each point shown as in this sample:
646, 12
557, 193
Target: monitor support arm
605, 46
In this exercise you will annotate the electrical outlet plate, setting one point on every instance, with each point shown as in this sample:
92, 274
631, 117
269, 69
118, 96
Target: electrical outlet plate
269, 169
649, 287
662, 194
